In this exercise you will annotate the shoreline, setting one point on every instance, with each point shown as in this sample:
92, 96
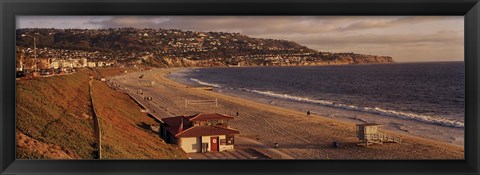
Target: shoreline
450, 135
302, 137
313, 65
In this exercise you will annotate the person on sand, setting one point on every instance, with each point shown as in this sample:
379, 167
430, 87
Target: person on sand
308, 112
276, 145
336, 144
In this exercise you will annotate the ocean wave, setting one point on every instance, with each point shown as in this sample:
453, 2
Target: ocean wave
205, 83
375, 110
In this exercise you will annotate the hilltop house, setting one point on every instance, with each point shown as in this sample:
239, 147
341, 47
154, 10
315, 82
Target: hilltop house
199, 133
91, 64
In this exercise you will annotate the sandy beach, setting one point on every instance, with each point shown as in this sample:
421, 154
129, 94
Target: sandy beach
299, 136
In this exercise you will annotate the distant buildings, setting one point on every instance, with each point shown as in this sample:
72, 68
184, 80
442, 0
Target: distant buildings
53, 63
154, 47
27, 65
83, 62
44, 63
91, 64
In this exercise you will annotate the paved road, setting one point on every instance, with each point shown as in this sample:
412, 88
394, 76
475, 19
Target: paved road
151, 107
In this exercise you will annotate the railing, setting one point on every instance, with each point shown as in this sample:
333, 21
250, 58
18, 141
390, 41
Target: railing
380, 138
96, 123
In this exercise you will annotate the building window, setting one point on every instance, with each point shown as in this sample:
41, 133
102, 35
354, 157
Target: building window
213, 122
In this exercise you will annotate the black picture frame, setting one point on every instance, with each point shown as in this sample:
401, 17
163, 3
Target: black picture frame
470, 9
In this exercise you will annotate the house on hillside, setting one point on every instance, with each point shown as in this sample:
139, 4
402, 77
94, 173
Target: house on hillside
44, 63
91, 64
199, 133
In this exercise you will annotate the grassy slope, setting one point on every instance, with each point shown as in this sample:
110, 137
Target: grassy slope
126, 132
56, 110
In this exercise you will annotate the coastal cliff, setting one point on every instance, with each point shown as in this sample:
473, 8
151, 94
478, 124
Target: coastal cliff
345, 59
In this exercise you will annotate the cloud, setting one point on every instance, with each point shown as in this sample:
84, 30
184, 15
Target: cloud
244, 24
438, 46
439, 38
64, 22
264, 24
389, 22
387, 35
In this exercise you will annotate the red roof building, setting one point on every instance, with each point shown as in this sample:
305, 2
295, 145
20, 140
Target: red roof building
200, 132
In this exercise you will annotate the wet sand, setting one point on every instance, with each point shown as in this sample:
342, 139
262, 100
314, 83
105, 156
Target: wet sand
299, 136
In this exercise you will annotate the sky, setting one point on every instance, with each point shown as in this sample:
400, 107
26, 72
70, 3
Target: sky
405, 38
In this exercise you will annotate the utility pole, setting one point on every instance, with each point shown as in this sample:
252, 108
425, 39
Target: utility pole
34, 49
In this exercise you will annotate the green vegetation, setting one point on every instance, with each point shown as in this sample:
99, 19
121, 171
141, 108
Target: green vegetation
157, 47
56, 110
29, 154
124, 41
55, 113
123, 128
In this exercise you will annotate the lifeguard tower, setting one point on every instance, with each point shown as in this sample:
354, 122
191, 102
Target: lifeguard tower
368, 133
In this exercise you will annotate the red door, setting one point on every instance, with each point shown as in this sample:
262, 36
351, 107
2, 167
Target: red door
214, 143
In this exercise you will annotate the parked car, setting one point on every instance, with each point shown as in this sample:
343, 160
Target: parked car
44, 72
20, 74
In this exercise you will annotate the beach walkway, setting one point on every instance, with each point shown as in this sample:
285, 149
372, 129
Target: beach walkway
149, 105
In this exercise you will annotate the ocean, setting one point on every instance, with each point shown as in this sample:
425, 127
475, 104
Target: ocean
423, 99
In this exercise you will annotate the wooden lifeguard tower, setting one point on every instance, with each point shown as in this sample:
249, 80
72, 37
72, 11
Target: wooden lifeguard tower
368, 133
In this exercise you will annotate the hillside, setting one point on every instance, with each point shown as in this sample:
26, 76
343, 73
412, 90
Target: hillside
55, 111
127, 132
54, 121
174, 48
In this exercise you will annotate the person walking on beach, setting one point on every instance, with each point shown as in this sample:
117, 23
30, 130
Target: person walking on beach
308, 112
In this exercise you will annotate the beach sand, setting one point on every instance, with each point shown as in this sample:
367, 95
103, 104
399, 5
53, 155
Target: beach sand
299, 136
